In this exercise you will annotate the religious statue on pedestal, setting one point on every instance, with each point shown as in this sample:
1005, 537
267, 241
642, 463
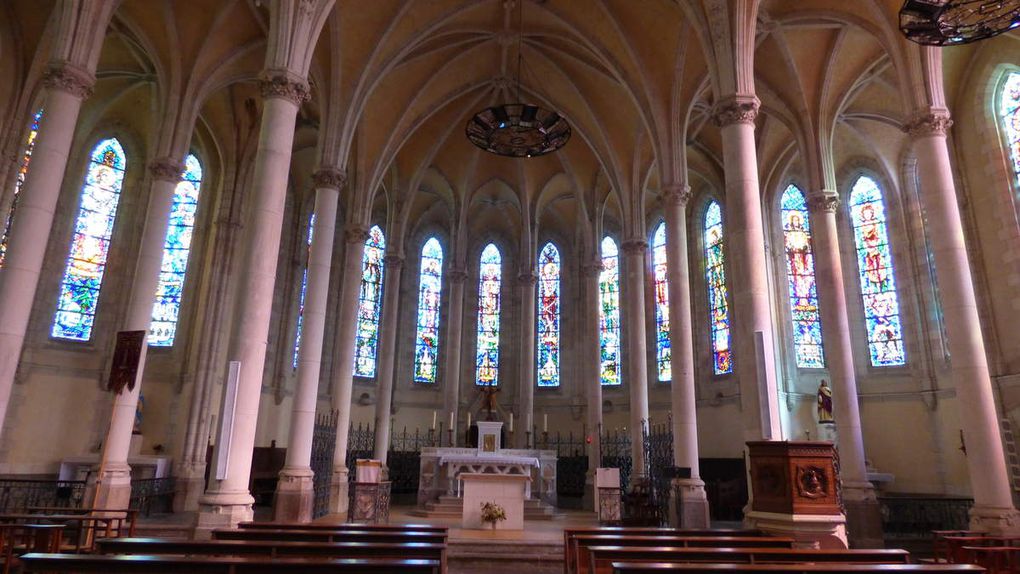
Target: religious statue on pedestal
825, 404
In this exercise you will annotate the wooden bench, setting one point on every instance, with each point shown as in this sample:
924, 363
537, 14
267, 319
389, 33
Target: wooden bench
151, 564
602, 557
582, 542
570, 559
660, 568
329, 536
85, 528
347, 526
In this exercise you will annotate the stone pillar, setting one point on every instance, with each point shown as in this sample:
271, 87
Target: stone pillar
636, 357
527, 281
387, 354
343, 363
454, 324
754, 356
683, 393
227, 502
295, 491
864, 520
66, 86
591, 371
993, 504
113, 484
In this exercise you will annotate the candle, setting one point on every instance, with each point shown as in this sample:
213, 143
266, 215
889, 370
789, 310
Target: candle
545, 422
433, 420
511, 422
451, 419
469, 420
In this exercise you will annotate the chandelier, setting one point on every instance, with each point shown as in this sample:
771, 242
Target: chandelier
518, 129
955, 22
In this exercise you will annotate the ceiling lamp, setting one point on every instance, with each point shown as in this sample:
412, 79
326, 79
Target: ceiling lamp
954, 22
518, 129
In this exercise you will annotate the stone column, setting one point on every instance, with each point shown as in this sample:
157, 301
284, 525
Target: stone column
591, 367
635, 359
683, 392
227, 502
993, 504
113, 484
527, 281
754, 357
295, 491
66, 86
387, 354
343, 378
454, 324
863, 513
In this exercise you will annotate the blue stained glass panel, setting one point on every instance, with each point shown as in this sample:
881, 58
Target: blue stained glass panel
366, 344
90, 244
548, 355
663, 353
609, 313
19, 182
301, 295
490, 274
877, 274
430, 290
718, 303
800, 274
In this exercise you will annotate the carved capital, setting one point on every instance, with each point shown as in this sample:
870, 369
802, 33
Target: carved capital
355, 234
393, 261
527, 278
634, 246
935, 122
823, 201
676, 194
591, 269
735, 110
330, 178
166, 169
456, 275
283, 84
66, 77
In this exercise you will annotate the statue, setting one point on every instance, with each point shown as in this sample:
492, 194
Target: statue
825, 404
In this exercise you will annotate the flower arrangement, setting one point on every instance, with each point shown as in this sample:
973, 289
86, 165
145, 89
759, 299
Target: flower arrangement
493, 513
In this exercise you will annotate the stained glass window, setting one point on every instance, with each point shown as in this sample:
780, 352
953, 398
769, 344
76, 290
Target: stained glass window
430, 289
800, 275
304, 288
369, 304
875, 266
176, 247
33, 131
663, 352
718, 304
548, 356
1009, 109
490, 275
90, 244
609, 313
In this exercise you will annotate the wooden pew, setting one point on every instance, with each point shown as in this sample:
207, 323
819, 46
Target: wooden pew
601, 558
570, 559
150, 564
665, 568
582, 542
85, 528
347, 526
329, 536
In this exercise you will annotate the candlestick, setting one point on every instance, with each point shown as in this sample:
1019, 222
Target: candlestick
511, 422
469, 420
433, 420
451, 419
545, 422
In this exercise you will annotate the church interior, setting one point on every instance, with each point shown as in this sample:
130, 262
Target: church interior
718, 267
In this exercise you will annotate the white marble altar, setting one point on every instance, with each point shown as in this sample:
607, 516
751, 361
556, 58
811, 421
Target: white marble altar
506, 490
441, 467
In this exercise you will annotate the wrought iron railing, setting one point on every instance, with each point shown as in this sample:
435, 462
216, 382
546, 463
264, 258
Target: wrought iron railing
658, 444
916, 515
323, 441
153, 495
614, 452
20, 494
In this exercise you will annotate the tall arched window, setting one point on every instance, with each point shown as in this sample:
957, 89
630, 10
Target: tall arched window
718, 304
490, 274
176, 247
430, 289
301, 296
663, 350
26, 158
90, 245
609, 313
1009, 114
877, 274
548, 359
369, 304
800, 275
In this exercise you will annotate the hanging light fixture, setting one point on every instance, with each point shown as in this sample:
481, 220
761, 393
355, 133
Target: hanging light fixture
518, 129
955, 22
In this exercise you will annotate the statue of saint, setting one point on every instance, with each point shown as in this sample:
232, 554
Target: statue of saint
824, 404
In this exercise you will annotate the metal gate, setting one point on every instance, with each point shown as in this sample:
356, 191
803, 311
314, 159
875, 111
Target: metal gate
614, 452
323, 441
571, 467
658, 445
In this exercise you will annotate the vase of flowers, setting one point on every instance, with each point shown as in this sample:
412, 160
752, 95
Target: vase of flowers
493, 513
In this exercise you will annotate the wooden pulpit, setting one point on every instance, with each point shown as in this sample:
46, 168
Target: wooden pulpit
794, 477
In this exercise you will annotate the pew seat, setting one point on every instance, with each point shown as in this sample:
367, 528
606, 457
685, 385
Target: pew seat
602, 557
667, 568
152, 564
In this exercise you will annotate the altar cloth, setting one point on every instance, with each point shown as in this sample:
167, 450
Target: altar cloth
488, 459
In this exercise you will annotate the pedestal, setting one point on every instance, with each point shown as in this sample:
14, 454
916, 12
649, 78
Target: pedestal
503, 489
295, 496
689, 504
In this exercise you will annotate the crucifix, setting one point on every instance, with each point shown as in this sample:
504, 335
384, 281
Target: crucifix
490, 401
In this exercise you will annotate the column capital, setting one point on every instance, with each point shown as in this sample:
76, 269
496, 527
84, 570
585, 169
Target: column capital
355, 234
634, 246
456, 275
166, 169
676, 194
393, 261
736, 109
330, 178
284, 84
825, 200
591, 269
932, 122
527, 278
66, 77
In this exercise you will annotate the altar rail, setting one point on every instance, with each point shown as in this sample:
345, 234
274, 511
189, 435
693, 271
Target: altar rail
153, 495
914, 516
21, 493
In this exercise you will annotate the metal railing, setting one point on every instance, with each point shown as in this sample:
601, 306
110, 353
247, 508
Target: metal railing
20, 494
153, 495
916, 515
